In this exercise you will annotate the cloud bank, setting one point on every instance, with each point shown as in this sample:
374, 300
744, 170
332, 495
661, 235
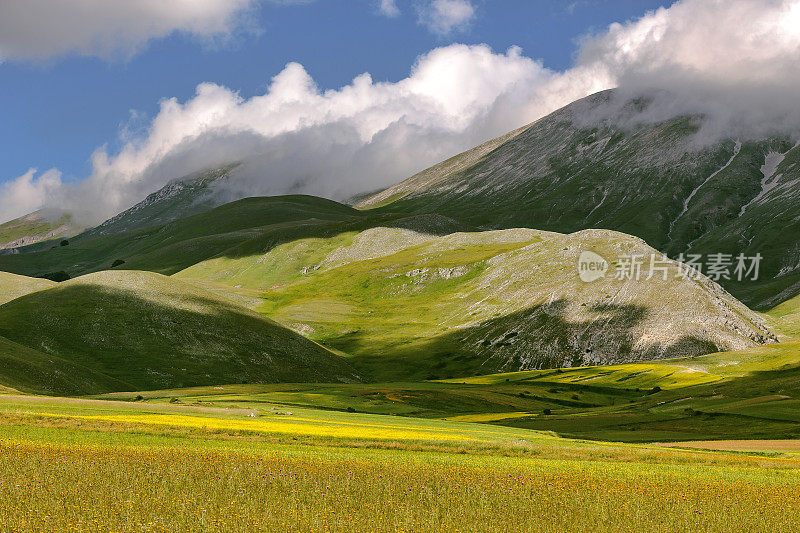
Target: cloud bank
40, 29
25, 194
734, 61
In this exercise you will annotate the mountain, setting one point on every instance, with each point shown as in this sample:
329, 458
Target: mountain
597, 163
170, 247
409, 303
180, 198
35, 228
140, 330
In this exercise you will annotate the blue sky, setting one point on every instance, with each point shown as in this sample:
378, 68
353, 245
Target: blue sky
55, 111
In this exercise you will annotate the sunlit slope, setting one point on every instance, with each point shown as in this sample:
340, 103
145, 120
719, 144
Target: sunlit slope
150, 331
283, 253
13, 286
170, 247
787, 317
407, 304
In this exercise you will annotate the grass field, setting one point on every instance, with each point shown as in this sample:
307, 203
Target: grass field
700, 398
117, 466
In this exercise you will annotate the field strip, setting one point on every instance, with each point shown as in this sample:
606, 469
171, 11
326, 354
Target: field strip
783, 446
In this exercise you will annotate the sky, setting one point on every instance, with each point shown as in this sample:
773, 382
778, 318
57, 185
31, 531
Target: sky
104, 101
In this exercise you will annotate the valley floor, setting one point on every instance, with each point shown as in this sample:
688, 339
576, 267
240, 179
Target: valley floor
99, 465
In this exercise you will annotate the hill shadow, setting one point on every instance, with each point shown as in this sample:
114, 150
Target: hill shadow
191, 341
535, 338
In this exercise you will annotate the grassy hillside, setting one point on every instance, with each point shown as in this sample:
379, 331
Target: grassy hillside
419, 296
34, 371
408, 304
148, 331
13, 286
787, 317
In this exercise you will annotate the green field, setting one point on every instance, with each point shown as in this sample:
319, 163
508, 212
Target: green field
111, 466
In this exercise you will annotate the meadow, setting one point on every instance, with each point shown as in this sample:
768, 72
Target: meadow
76, 465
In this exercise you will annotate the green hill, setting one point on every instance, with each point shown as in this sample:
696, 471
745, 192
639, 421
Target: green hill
410, 304
13, 286
34, 371
787, 317
599, 163
144, 331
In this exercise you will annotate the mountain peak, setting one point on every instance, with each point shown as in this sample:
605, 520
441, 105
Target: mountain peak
179, 198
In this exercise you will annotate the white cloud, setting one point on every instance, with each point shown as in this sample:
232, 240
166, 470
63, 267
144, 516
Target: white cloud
335, 143
38, 29
734, 61
27, 193
443, 17
389, 8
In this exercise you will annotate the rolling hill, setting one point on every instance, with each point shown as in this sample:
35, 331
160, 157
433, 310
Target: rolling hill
597, 163
418, 296
139, 330
411, 304
13, 286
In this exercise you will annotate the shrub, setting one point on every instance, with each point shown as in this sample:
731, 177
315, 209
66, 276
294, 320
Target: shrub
55, 276
547, 412
351, 410
65, 242
117, 262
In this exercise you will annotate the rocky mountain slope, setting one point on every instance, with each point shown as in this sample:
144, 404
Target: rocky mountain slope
180, 198
34, 228
586, 167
